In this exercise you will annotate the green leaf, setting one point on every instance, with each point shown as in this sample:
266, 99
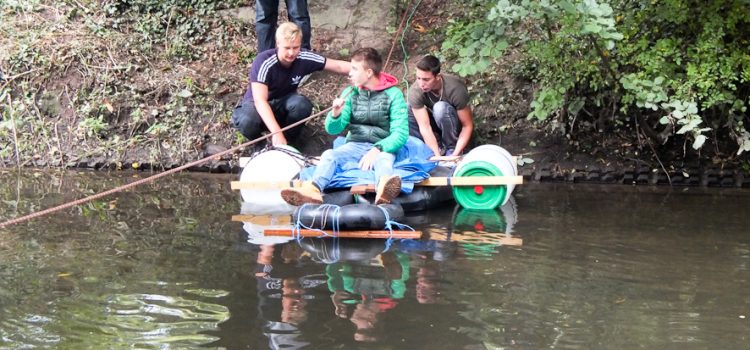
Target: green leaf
699, 141
568, 7
591, 28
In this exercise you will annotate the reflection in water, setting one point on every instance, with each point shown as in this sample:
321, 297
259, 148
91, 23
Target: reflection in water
570, 267
366, 278
81, 278
141, 320
282, 295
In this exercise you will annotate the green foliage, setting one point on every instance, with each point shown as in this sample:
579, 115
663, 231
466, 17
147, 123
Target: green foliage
683, 64
93, 126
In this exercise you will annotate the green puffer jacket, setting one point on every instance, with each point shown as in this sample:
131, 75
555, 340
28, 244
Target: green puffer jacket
376, 116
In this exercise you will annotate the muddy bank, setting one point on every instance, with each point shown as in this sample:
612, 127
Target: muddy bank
85, 96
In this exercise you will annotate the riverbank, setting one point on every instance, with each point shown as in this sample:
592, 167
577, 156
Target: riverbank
117, 87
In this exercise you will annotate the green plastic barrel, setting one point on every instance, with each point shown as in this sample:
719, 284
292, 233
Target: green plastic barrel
485, 160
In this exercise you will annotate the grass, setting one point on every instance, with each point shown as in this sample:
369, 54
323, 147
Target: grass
101, 78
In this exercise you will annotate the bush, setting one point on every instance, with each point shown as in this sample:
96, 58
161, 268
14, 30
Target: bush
660, 68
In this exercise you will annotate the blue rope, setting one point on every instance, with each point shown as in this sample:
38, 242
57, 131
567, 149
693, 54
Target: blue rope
325, 207
389, 226
336, 224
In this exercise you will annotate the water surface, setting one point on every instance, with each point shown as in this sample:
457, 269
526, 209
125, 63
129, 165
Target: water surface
562, 266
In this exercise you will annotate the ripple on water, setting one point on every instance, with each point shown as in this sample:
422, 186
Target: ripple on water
145, 320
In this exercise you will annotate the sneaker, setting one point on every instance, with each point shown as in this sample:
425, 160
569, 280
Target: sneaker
388, 188
305, 194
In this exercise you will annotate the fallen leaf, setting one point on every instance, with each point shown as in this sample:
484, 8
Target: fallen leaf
419, 28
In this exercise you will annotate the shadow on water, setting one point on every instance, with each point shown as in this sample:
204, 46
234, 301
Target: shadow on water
163, 266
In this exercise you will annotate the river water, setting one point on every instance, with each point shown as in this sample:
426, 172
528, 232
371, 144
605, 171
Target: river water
560, 266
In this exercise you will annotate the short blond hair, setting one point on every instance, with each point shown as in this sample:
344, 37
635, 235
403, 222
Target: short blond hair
288, 31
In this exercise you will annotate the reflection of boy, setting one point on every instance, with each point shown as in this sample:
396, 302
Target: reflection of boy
426, 289
366, 317
373, 290
285, 334
282, 296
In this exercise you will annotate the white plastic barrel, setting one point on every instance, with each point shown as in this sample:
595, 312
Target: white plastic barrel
485, 160
270, 166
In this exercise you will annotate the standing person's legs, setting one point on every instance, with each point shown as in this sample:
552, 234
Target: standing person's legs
289, 110
298, 13
247, 121
266, 16
446, 118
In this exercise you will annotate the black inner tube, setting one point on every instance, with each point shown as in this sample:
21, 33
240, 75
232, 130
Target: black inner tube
347, 217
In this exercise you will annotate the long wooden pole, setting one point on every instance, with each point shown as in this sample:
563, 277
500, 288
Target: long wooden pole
432, 181
343, 234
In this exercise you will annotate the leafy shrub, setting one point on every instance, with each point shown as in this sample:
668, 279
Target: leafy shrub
679, 67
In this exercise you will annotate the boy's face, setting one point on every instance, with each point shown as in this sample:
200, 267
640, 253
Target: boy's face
359, 73
427, 81
288, 50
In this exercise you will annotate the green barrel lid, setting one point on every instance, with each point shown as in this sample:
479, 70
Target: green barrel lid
479, 197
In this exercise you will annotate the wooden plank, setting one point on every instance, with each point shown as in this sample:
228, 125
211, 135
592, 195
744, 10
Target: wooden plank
472, 181
432, 181
477, 238
446, 158
362, 189
344, 234
264, 220
459, 158
264, 185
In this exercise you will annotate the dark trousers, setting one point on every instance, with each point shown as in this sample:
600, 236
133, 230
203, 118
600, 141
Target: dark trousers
288, 110
445, 125
267, 15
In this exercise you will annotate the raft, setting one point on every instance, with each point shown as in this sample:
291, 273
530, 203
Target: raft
481, 180
425, 185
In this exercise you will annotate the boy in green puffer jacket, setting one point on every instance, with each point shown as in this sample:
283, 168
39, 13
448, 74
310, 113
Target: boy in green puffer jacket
375, 113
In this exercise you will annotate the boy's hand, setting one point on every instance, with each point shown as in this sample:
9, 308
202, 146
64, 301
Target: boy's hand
338, 105
368, 160
278, 139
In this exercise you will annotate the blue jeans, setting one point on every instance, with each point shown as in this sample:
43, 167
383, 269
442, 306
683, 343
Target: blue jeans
267, 15
288, 110
332, 159
444, 123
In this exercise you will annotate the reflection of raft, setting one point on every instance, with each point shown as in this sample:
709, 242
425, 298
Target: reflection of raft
486, 220
329, 251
